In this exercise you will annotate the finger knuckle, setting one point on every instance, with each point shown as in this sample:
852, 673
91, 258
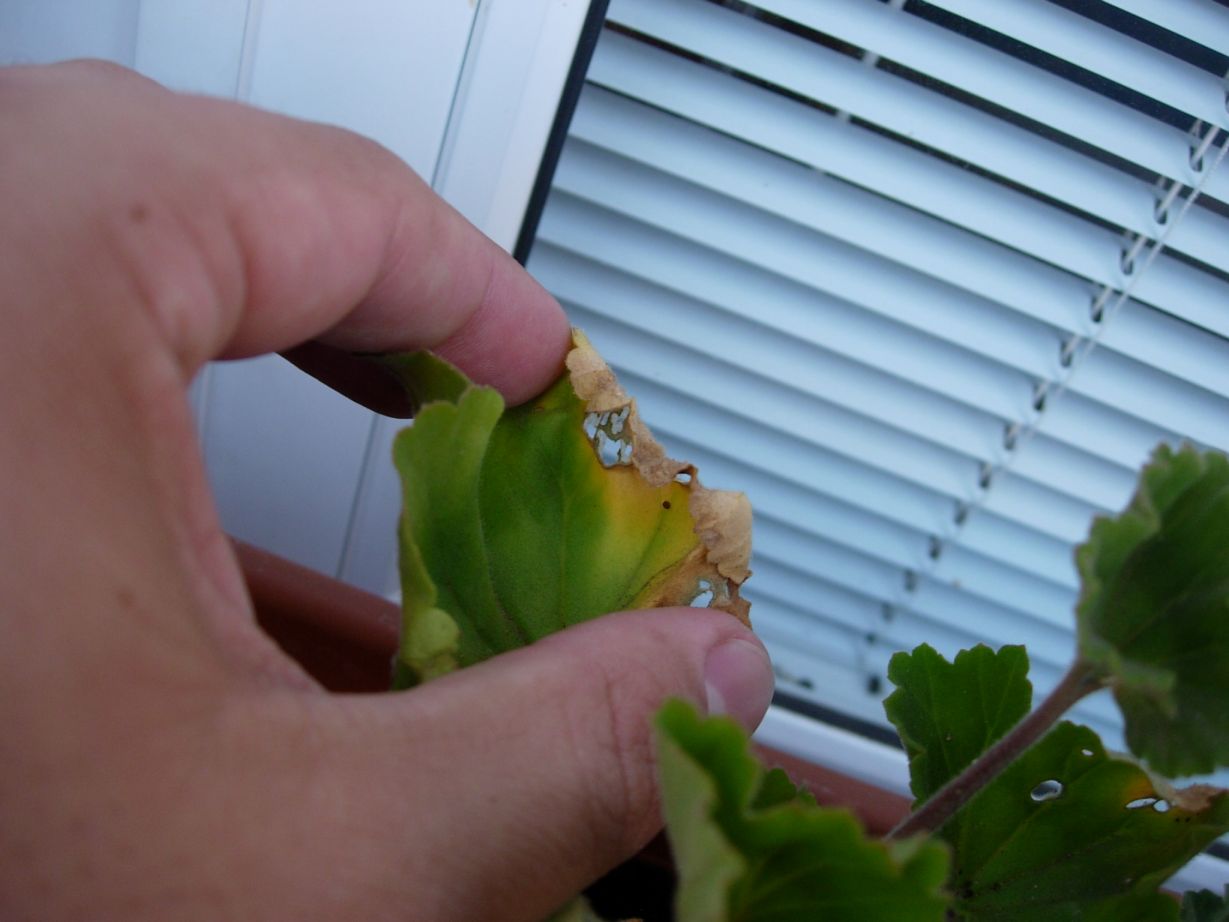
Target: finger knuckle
617, 754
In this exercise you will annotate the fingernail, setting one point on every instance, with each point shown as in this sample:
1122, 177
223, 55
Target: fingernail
738, 680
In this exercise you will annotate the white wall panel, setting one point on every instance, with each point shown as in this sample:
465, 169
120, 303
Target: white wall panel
195, 46
518, 61
384, 68
42, 31
283, 454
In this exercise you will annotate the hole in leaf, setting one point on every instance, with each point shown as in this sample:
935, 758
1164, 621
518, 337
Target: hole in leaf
1141, 802
705, 596
605, 432
683, 477
1086, 752
1047, 790
617, 420
1161, 806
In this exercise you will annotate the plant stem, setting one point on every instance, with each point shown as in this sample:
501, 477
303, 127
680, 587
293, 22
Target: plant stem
1076, 684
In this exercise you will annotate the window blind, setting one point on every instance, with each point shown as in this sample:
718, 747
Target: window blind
927, 280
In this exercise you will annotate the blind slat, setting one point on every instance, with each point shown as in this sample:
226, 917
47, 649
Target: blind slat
891, 170
778, 355
1116, 436
1202, 235
759, 116
814, 421
788, 408
732, 105
873, 285
1197, 297
837, 425
800, 342
1057, 514
1094, 427
1128, 386
1202, 21
1045, 98
868, 532
781, 620
954, 196
789, 61
686, 426
1102, 51
990, 579
940, 606
793, 200
799, 647
804, 609
880, 226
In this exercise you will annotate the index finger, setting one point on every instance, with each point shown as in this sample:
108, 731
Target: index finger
246, 232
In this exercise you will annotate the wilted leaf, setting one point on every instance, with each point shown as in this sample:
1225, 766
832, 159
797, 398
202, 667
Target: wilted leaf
1068, 832
1154, 611
746, 850
947, 714
517, 523
1205, 906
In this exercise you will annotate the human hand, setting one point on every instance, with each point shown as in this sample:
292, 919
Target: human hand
161, 758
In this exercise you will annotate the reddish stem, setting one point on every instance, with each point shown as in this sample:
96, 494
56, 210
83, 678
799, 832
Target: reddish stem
1076, 684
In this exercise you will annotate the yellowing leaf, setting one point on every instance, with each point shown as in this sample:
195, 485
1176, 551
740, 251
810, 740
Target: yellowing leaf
517, 523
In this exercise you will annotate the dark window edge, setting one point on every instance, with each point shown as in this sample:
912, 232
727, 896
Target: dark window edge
585, 44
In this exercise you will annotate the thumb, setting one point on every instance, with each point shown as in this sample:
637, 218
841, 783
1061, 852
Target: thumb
505, 789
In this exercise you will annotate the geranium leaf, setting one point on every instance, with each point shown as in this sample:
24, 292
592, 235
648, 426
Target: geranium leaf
517, 523
1154, 611
743, 854
1069, 832
947, 714
1205, 906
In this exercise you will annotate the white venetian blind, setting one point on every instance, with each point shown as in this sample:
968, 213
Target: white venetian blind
926, 280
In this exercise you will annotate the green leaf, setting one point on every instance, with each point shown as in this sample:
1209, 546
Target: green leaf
520, 522
1068, 832
1154, 611
1133, 907
947, 714
1205, 906
746, 850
